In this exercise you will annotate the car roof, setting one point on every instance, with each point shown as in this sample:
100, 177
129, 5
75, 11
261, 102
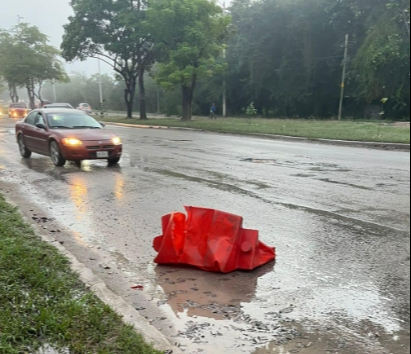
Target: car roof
59, 110
58, 104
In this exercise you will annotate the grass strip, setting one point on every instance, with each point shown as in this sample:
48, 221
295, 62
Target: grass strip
43, 302
347, 130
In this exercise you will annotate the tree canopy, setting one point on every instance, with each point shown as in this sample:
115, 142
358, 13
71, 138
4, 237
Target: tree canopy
27, 60
114, 32
286, 56
189, 37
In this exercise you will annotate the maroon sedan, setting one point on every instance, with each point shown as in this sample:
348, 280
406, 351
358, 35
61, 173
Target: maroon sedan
66, 134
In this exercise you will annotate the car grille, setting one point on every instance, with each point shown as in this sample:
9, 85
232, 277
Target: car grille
98, 147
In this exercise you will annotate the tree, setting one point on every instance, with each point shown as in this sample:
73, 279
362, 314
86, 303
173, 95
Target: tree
286, 56
115, 32
383, 60
3, 86
10, 70
27, 60
189, 36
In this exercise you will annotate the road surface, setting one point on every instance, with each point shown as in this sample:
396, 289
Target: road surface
339, 217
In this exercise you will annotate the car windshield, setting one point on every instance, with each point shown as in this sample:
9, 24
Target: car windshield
72, 121
18, 105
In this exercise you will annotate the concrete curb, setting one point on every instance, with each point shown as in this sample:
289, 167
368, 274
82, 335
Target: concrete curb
129, 314
362, 144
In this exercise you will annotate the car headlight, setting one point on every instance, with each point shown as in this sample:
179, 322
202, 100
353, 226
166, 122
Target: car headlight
116, 141
72, 142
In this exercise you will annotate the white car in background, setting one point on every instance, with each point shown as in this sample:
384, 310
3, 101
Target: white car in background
85, 107
58, 105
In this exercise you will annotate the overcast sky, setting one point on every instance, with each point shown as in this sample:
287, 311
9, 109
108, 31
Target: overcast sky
49, 16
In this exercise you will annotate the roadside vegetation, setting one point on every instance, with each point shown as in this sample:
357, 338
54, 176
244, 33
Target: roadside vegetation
347, 130
43, 302
286, 57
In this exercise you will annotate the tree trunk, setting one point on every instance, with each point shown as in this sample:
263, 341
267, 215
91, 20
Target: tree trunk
39, 93
13, 93
188, 96
186, 114
129, 94
142, 89
30, 93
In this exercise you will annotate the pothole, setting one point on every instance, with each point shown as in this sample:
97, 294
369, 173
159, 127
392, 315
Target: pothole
259, 160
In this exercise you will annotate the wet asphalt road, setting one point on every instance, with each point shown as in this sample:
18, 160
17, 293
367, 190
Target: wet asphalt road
339, 217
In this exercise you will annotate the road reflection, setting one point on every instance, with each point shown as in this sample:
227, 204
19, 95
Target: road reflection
210, 295
78, 194
119, 187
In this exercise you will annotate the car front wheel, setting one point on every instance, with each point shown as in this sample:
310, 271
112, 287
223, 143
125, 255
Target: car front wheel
114, 161
56, 155
25, 153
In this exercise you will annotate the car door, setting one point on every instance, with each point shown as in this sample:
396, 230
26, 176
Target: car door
40, 136
28, 131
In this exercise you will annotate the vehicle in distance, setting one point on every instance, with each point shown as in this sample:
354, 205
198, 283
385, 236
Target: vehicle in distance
85, 107
66, 135
58, 105
42, 104
18, 110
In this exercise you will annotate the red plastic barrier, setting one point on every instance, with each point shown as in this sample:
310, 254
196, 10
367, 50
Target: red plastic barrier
211, 240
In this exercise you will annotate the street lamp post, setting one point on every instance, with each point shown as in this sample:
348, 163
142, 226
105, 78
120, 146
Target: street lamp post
100, 83
54, 91
225, 78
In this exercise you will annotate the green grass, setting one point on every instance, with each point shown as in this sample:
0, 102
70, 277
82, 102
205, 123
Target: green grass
42, 301
348, 130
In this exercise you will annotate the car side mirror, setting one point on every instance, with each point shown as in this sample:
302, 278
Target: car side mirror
102, 124
41, 126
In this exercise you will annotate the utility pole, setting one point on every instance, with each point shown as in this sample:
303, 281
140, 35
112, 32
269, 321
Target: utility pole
224, 89
84, 82
225, 79
100, 84
158, 101
340, 112
54, 91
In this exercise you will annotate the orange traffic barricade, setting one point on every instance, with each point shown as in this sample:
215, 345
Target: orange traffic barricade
211, 240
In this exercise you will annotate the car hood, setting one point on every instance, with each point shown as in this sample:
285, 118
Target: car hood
85, 134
